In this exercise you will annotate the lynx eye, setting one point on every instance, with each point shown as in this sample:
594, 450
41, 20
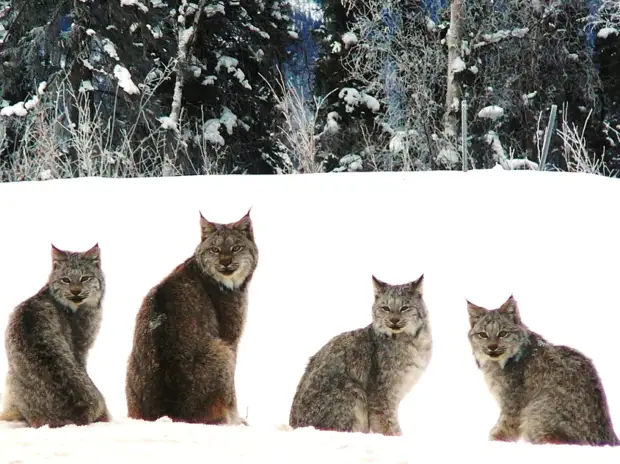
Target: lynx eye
65, 280
482, 335
85, 278
502, 334
405, 308
237, 248
214, 250
385, 308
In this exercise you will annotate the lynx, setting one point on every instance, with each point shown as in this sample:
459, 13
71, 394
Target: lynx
47, 341
183, 360
546, 393
355, 383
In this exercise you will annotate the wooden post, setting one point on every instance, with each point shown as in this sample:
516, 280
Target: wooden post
547, 140
464, 134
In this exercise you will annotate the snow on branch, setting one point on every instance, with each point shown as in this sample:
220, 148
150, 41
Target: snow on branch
124, 80
141, 6
508, 163
21, 108
354, 97
492, 112
606, 18
517, 33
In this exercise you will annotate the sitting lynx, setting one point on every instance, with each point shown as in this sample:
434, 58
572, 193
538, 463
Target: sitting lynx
355, 383
547, 393
48, 338
184, 355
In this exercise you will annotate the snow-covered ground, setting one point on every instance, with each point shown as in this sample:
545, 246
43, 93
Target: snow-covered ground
549, 238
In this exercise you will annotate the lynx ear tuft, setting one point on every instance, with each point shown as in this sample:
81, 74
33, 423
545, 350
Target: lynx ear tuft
475, 312
206, 227
58, 256
511, 308
93, 254
245, 226
379, 286
417, 286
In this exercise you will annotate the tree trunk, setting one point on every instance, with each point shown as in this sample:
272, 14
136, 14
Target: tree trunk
454, 39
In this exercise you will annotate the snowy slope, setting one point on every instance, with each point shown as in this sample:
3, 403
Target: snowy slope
479, 235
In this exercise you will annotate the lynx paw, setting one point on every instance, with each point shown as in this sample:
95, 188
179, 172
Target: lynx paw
499, 433
242, 421
11, 415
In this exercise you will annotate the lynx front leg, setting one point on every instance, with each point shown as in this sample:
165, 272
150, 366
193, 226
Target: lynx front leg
384, 422
506, 429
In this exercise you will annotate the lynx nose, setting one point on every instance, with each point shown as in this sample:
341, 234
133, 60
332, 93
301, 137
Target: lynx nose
225, 260
394, 320
492, 346
76, 290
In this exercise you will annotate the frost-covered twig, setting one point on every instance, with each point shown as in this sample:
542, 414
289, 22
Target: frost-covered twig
48, 130
398, 58
606, 18
575, 153
298, 130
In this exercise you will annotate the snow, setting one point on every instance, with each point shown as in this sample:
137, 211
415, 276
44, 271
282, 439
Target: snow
110, 49
311, 9
449, 155
141, 6
229, 120
526, 97
481, 235
604, 32
167, 123
124, 79
209, 80
349, 39
458, 65
155, 31
491, 112
228, 62
17, 109
505, 33
350, 162
212, 10
211, 132
34, 101
371, 102
231, 66
331, 125
354, 97
184, 36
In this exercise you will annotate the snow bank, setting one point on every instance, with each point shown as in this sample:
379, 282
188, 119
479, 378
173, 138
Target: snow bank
479, 235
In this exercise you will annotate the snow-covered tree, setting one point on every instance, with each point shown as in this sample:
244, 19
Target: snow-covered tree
390, 99
518, 59
171, 83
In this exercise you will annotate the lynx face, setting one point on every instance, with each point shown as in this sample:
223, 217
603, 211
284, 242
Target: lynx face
496, 335
76, 278
228, 252
399, 308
